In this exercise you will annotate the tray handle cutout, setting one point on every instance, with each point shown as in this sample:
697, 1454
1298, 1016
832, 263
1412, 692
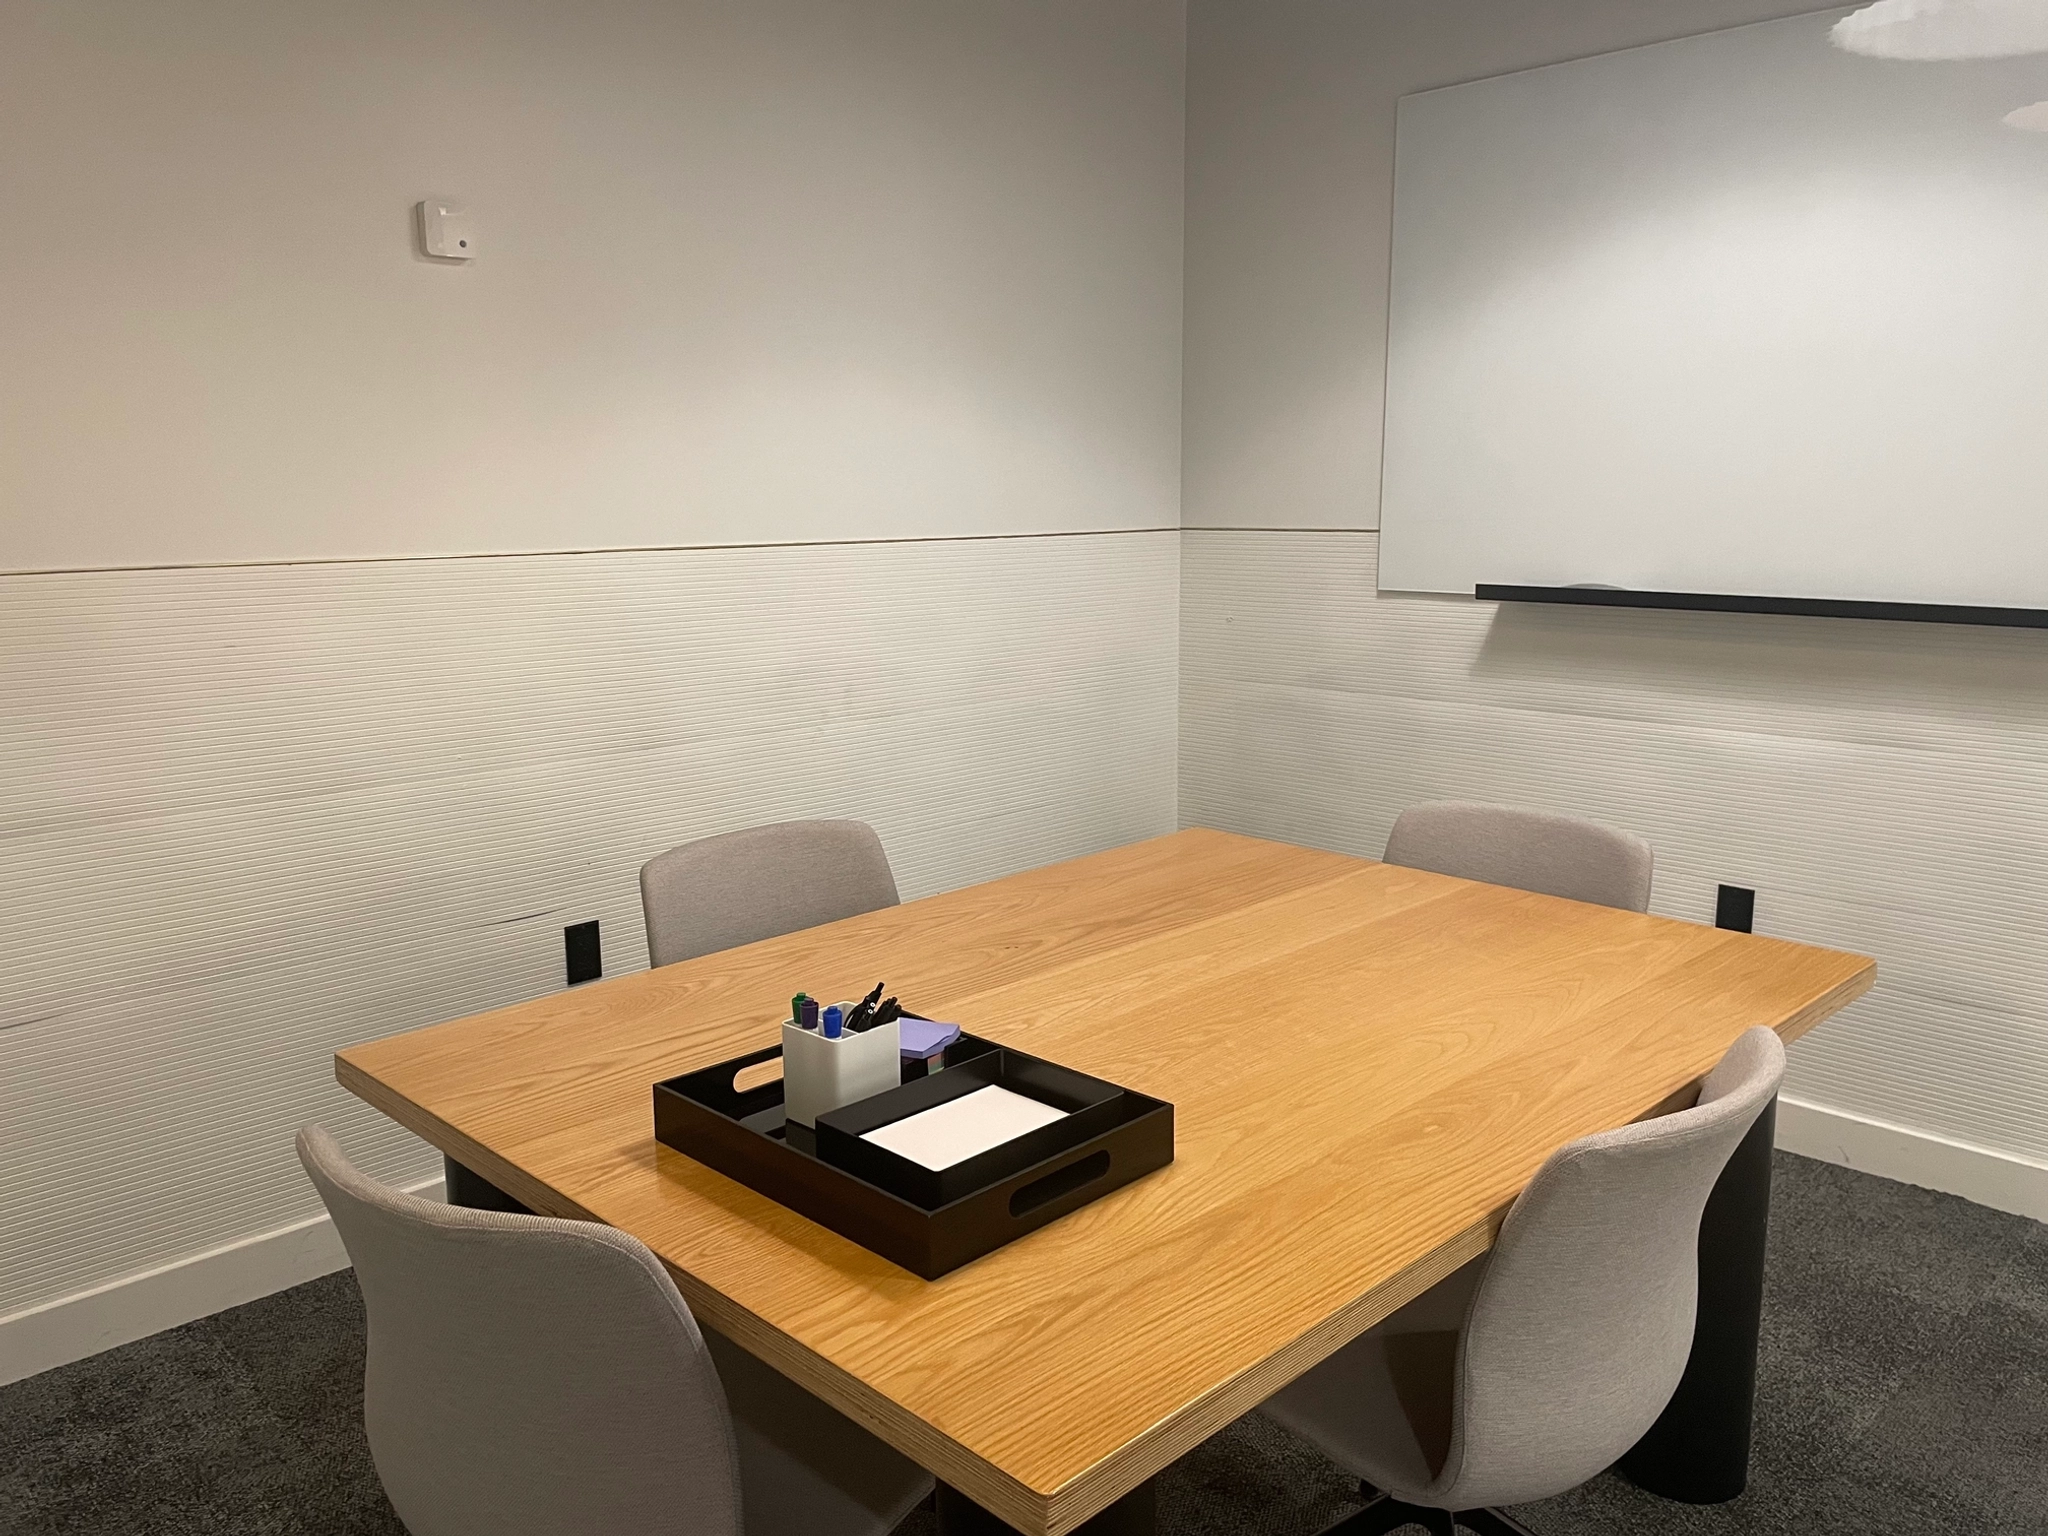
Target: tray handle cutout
1061, 1181
759, 1075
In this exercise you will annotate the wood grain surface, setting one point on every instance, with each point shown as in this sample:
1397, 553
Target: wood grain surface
1367, 1064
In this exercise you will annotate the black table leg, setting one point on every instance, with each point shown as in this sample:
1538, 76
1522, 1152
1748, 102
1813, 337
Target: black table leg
476, 1191
1698, 1451
1135, 1514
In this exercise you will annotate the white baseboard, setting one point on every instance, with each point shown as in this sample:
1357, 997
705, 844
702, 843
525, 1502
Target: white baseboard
135, 1306
2000, 1180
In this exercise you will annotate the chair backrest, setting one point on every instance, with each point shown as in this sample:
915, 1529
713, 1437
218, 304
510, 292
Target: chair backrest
1581, 1325
528, 1376
1531, 850
740, 887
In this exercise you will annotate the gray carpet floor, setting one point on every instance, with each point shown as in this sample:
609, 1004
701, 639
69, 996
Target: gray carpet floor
1904, 1388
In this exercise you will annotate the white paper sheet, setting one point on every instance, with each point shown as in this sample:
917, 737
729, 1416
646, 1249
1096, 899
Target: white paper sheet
964, 1127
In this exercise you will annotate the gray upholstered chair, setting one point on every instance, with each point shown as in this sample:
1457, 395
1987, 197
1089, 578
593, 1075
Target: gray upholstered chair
1538, 1364
1531, 850
719, 892
535, 1377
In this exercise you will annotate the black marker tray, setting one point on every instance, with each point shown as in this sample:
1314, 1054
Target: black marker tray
929, 1222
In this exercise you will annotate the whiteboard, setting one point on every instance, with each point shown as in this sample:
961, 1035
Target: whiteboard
1735, 314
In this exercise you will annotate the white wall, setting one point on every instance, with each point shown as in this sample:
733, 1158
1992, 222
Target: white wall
1883, 787
257, 814
752, 271
249, 813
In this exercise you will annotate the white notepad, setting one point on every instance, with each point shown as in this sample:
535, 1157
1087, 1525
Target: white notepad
964, 1127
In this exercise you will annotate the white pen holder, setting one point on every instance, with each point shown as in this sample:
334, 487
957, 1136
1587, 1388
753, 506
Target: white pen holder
819, 1075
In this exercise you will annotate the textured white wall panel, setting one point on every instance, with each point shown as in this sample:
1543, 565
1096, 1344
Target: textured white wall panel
1883, 787
250, 815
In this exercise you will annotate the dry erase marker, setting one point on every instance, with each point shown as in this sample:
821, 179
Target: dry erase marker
796, 1009
864, 1011
833, 1022
810, 1018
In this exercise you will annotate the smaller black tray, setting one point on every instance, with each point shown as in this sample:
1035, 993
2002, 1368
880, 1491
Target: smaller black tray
928, 1221
1092, 1107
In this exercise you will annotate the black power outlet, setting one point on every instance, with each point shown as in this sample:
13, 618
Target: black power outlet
1735, 908
582, 952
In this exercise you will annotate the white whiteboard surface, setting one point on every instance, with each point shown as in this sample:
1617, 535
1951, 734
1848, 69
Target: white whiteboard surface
1734, 314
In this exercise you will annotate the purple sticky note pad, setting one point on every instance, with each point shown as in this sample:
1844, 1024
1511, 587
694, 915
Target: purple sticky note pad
921, 1039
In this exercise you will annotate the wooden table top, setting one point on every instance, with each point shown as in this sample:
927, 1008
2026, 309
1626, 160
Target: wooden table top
1367, 1064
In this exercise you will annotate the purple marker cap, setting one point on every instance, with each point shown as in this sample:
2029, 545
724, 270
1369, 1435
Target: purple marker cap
810, 1018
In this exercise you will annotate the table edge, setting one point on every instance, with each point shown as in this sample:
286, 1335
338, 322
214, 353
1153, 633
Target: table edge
1031, 1511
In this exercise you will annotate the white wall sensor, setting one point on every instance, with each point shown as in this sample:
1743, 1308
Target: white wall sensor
446, 230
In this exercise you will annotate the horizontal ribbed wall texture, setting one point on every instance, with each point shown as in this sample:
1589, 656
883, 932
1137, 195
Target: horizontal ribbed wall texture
1882, 786
250, 815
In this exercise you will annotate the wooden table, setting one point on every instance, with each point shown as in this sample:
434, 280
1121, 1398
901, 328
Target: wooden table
1368, 1063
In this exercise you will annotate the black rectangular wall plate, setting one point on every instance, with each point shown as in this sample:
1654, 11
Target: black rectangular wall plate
1735, 908
582, 953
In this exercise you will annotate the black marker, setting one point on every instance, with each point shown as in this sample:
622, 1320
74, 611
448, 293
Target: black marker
862, 1016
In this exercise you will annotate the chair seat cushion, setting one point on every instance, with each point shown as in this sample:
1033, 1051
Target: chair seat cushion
805, 1468
1381, 1406
1351, 1407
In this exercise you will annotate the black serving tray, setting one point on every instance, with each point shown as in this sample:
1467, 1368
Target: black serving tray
929, 1222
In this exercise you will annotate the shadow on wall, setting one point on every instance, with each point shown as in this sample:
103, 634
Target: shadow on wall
1854, 679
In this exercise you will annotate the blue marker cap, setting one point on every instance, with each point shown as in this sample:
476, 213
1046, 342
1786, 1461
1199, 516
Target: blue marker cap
834, 1022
